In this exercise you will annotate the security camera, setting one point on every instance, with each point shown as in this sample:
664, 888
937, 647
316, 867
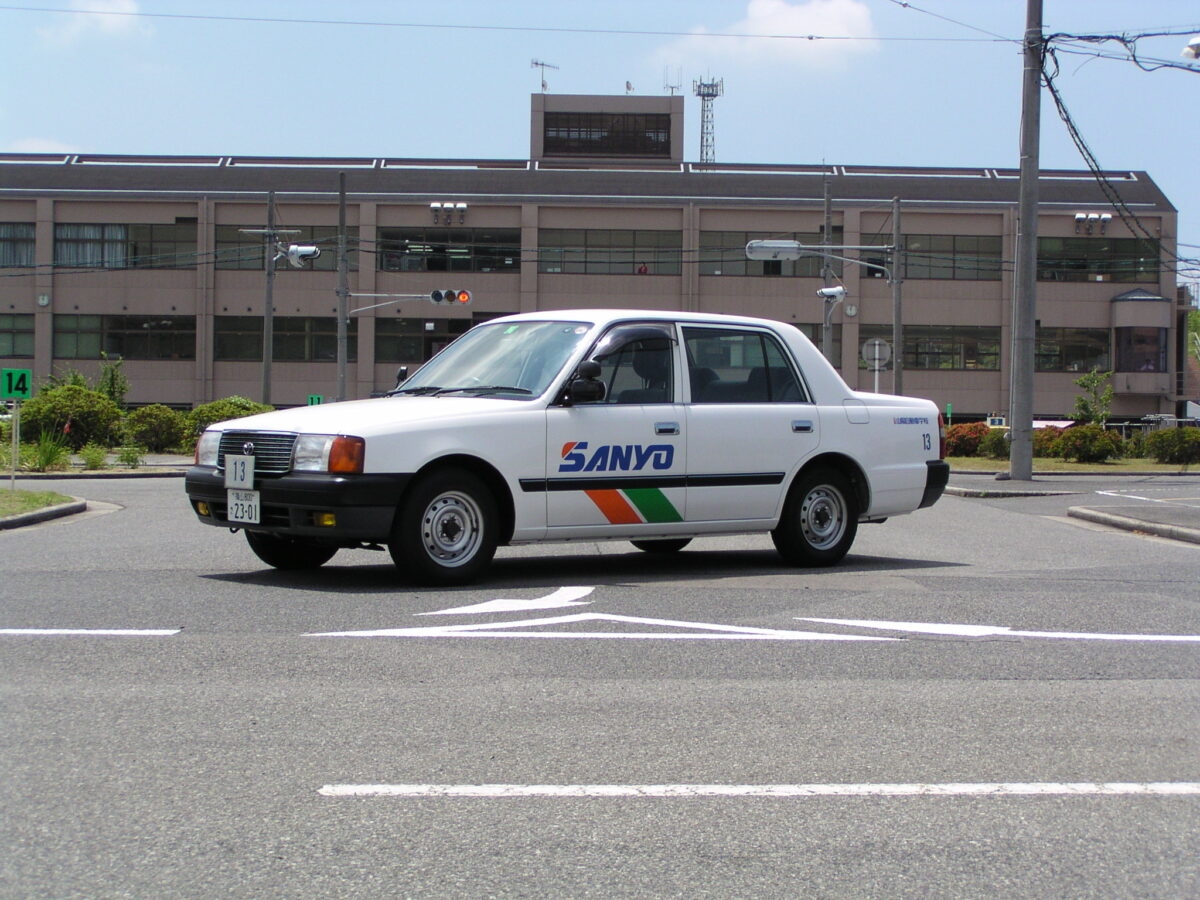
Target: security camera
298, 254
832, 293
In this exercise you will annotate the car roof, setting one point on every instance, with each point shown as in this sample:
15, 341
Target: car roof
607, 316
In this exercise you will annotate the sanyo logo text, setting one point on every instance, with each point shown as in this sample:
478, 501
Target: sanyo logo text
615, 457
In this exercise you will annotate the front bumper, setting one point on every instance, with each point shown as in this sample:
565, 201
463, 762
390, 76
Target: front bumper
937, 475
364, 506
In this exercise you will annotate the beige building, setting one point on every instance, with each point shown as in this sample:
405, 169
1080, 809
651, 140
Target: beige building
160, 261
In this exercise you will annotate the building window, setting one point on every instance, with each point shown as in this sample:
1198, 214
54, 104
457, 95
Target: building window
1098, 259
596, 251
450, 250
16, 335
157, 246
724, 253
964, 347
311, 339
414, 340
237, 338
17, 244
607, 134
126, 337
1071, 349
952, 257
241, 246
1141, 349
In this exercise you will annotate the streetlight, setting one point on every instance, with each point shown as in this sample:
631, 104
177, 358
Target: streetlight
781, 249
1192, 50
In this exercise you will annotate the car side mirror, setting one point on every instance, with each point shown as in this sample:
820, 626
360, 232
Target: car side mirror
586, 386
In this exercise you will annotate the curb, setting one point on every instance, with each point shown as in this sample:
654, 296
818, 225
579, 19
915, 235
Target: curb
1174, 532
992, 492
77, 505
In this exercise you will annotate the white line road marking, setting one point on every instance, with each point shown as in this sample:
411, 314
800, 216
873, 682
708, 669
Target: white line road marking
91, 632
688, 631
987, 789
565, 596
975, 631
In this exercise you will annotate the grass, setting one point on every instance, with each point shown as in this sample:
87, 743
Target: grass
15, 502
1046, 464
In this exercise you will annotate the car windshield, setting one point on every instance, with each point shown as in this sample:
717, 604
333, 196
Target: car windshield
519, 359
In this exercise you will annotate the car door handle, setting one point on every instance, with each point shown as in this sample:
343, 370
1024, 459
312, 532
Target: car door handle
802, 426
666, 428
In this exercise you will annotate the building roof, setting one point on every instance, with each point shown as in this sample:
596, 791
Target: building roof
602, 182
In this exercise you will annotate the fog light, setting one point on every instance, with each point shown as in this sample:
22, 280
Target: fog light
202, 508
325, 519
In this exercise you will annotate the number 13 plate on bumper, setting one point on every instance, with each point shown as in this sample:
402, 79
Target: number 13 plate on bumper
244, 507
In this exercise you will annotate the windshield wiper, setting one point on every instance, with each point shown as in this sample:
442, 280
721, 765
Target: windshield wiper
427, 389
484, 389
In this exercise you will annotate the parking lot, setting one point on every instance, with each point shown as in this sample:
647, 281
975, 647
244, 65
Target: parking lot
991, 698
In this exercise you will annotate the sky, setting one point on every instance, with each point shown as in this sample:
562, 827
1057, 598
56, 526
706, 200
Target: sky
854, 82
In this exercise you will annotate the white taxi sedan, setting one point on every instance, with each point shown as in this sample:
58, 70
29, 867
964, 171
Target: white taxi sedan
651, 427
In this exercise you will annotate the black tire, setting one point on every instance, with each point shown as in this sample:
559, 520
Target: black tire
291, 554
820, 520
446, 529
667, 545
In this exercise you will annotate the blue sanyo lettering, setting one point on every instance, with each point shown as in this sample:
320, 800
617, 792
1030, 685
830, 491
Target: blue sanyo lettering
617, 457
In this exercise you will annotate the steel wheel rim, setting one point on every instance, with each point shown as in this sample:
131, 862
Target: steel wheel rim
452, 528
823, 517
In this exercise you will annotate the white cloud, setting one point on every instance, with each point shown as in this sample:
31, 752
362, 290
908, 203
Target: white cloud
818, 21
107, 18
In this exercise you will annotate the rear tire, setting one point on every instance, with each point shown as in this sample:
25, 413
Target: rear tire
446, 529
820, 520
668, 545
290, 554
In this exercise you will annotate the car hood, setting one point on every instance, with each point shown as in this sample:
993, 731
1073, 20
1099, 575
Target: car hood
365, 418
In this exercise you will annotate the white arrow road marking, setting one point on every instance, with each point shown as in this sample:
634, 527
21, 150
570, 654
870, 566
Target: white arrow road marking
565, 596
94, 632
690, 631
1084, 788
976, 631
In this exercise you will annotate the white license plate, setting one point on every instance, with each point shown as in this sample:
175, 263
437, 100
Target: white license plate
239, 471
244, 507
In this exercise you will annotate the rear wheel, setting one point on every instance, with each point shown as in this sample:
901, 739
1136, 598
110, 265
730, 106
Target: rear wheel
289, 553
446, 529
669, 545
820, 519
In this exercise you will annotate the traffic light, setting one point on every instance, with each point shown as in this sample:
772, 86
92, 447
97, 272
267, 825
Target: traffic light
451, 297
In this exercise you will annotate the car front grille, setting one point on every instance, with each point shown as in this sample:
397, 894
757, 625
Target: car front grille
272, 450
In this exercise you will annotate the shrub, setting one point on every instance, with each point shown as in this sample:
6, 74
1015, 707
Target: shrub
49, 453
220, 410
1044, 440
131, 456
1176, 446
995, 444
94, 456
1088, 444
76, 413
963, 440
155, 427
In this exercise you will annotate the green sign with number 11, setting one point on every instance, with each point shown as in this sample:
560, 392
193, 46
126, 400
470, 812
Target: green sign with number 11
16, 384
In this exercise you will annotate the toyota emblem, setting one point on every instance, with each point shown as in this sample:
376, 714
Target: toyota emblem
248, 449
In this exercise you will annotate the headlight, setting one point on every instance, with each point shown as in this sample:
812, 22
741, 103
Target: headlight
336, 453
207, 448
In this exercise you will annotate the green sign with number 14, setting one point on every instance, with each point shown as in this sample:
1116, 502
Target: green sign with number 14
16, 384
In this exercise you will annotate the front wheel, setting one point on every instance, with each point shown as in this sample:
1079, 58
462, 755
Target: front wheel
446, 529
289, 553
820, 520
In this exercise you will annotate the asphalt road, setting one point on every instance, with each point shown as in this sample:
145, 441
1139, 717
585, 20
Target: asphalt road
990, 698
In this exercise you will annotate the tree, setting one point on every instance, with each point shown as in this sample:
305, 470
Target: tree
1094, 405
112, 382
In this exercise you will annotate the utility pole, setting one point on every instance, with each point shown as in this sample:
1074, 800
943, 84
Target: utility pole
1020, 418
897, 305
827, 276
269, 240
343, 292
